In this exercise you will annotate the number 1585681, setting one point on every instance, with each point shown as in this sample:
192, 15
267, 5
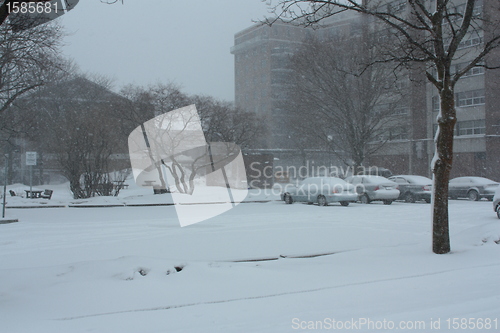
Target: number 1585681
32, 7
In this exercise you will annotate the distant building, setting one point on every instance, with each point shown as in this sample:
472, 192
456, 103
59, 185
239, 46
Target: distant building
261, 55
261, 74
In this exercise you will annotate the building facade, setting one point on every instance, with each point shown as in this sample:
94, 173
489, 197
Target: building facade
261, 55
261, 75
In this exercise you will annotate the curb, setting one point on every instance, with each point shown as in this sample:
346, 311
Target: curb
32, 207
132, 205
6, 221
94, 206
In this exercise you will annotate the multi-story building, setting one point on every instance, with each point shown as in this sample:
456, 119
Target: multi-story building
261, 81
261, 54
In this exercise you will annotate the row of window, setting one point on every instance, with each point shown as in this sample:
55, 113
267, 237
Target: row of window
468, 127
463, 99
469, 98
478, 70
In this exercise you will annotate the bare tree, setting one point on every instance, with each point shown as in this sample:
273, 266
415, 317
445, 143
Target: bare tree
141, 104
76, 128
432, 33
28, 60
339, 103
223, 122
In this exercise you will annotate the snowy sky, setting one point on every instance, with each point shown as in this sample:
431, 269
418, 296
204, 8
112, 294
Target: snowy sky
186, 42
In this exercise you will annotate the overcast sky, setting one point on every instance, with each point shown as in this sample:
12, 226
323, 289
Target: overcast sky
146, 41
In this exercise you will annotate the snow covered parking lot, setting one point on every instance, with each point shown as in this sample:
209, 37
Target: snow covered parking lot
261, 267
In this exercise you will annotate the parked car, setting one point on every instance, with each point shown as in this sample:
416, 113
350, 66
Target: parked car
472, 188
372, 188
323, 190
377, 171
413, 188
496, 202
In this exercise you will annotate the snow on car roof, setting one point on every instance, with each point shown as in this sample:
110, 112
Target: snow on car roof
416, 179
477, 180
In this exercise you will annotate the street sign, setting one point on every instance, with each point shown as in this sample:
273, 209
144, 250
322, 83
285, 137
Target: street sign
31, 158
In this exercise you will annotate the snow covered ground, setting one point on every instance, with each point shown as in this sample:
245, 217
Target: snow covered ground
252, 269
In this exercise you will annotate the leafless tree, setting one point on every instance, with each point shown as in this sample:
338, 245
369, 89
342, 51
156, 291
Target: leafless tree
28, 59
223, 122
430, 33
74, 125
336, 102
140, 104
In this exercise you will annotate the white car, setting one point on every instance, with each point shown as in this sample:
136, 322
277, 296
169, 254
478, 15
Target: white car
496, 202
323, 190
373, 188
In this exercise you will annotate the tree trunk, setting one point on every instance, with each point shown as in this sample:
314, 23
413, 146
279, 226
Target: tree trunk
441, 169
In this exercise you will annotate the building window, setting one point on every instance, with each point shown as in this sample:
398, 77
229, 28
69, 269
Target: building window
470, 98
478, 70
395, 134
473, 41
401, 110
471, 127
470, 42
436, 106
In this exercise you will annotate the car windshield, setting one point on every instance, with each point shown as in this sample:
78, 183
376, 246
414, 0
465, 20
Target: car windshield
481, 180
418, 180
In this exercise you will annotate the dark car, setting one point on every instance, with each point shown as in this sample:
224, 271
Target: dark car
472, 188
376, 171
496, 202
413, 188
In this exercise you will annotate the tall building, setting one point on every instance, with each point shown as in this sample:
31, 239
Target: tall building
261, 55
261, 74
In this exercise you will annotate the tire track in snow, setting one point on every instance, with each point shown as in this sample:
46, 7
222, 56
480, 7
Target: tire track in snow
178, 306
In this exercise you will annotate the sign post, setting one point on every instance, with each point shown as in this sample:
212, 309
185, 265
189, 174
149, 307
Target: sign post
5, 187
30, 161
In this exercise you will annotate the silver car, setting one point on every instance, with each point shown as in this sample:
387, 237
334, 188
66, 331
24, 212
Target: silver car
413, 188
373, 188
323, 190
472, 188
496, 202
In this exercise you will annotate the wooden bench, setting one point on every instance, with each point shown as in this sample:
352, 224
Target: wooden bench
47, 194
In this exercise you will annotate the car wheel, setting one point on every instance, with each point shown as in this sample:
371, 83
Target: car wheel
344, 203
322, 201
288, 199
498, 211
428, 200
473, 195
365, 199
387, 202
409, 197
